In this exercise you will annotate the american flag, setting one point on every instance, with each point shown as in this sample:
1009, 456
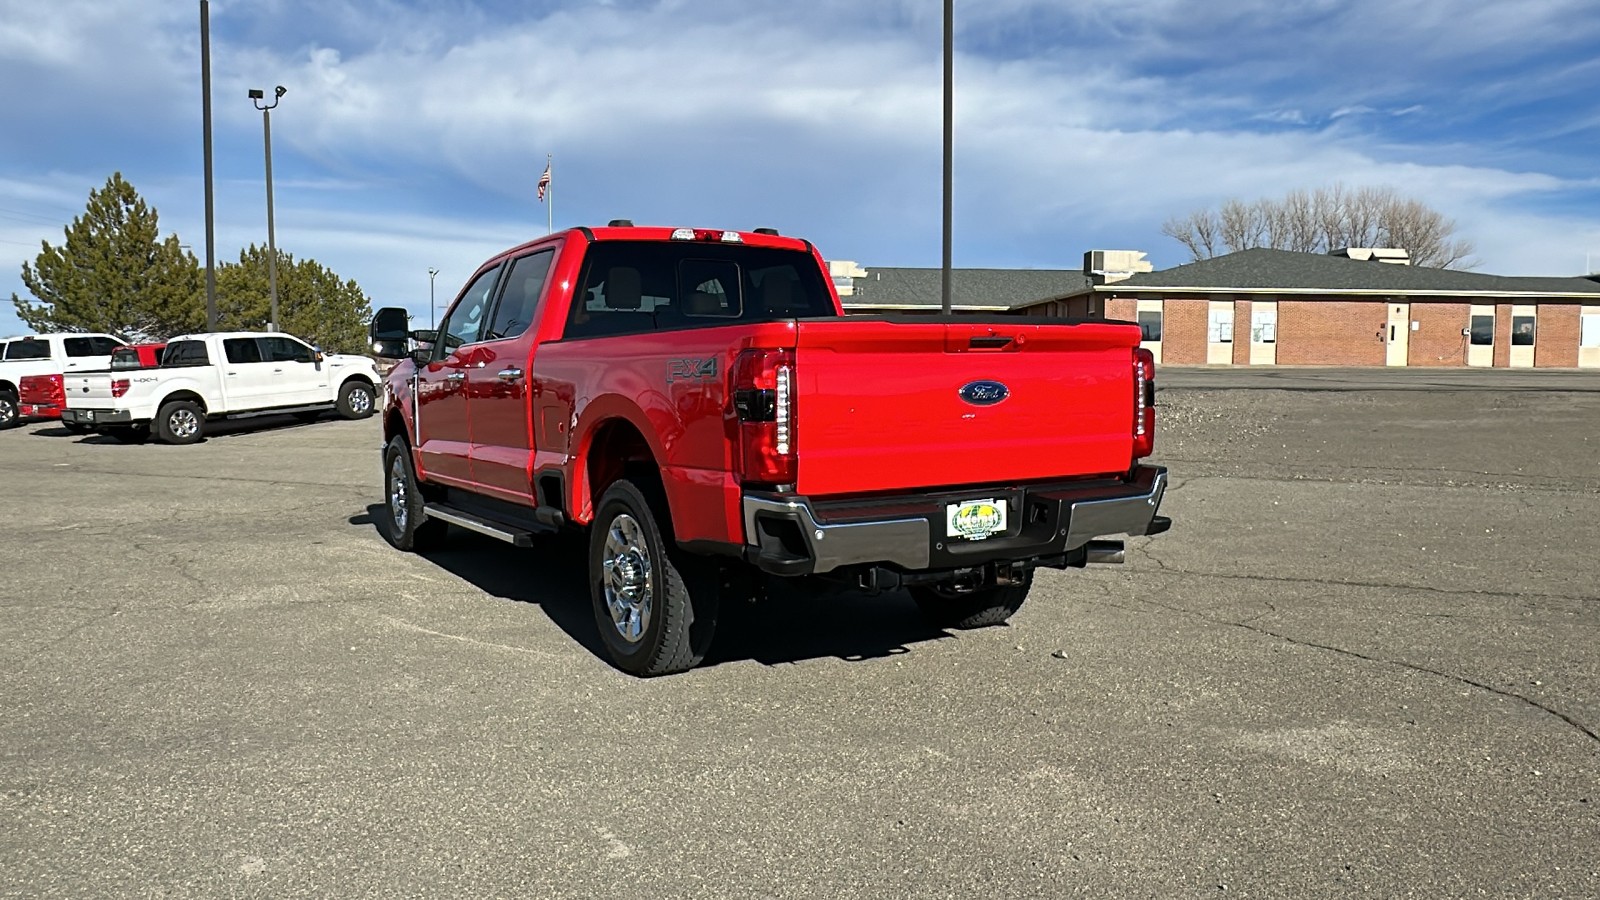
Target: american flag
544, 182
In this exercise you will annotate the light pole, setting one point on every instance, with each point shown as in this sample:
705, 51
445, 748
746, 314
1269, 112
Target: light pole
433, 322
205, 127
256, 96
949, 144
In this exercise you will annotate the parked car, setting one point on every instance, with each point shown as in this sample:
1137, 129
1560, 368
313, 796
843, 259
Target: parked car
42, 397
206, 377
47, 354
696, 399
137, 356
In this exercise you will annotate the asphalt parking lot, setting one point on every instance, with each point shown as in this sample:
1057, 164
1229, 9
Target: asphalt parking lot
1363, 662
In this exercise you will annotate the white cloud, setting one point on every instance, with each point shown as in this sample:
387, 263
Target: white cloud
412, 136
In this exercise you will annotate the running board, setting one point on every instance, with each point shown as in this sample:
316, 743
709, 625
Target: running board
511, 534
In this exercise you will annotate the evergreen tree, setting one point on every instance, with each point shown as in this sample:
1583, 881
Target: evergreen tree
313, 302
114, 273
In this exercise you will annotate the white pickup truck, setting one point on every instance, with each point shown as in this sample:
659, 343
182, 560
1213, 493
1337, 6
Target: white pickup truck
46, 354
206, 377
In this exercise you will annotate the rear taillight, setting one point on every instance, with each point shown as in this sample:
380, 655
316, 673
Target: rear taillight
763, 409
1144, 403
119, 386
56, 389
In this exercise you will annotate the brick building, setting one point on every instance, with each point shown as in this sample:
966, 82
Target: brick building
1365, 307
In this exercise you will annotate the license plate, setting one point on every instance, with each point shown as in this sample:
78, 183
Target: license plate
975, 520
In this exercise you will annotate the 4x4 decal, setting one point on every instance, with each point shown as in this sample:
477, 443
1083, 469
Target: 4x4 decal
692, 370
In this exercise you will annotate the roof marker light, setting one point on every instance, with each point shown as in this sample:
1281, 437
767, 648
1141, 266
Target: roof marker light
683, 234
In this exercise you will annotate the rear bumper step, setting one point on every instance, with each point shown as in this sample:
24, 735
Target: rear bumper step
1054, 525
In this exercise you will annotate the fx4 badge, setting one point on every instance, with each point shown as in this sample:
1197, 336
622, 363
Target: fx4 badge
692, 370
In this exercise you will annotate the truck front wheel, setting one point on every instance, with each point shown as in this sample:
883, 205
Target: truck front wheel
403, 525
656, 608
949, 607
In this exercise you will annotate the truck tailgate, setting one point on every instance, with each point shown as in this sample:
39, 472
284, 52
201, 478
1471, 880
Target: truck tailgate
888, 405
88, 390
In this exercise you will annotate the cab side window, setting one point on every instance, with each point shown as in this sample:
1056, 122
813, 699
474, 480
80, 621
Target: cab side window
193, 353
464, 323
241, 350
281, 349
519, 302
28, 348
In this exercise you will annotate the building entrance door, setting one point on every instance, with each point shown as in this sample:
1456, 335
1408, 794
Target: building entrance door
1399, 333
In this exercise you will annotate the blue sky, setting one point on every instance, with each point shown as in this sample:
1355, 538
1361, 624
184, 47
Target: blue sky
413, 133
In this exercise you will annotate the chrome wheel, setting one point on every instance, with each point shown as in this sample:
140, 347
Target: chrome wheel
360, 402
8, 411
184, 424
628, 578
399, 494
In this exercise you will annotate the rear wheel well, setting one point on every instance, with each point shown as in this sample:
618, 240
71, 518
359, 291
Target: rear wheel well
190, 396
8, 388
617, 451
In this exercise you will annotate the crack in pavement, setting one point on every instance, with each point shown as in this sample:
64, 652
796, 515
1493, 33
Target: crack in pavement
91, 620
1166, 570
271, 482
1327, 478
1246, 625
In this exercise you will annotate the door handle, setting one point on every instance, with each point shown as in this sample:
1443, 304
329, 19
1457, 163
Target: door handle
456, 376
512, 374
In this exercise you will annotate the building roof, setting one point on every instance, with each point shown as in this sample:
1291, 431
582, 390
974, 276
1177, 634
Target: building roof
970, 289
1286, 271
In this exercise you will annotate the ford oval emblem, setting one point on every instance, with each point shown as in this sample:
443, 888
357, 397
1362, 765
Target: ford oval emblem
984, 393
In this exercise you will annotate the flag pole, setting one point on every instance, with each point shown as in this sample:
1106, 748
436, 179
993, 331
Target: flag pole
550, 195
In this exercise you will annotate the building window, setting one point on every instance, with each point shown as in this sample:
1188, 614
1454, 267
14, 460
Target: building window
1221, 326
1150, 326
1264, 325
1522, 331
1483, 331
1590, 336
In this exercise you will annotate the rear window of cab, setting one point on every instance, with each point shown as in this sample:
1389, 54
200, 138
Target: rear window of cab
629, 287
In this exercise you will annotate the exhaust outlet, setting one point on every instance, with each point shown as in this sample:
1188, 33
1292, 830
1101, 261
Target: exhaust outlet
1104, 552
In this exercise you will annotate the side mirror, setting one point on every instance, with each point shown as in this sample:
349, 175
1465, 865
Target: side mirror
422, 355
388, 332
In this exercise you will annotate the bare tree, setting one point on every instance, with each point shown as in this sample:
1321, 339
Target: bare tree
1323, 220
1197, 231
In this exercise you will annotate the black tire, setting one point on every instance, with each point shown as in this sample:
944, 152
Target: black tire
402, 517
9, 410
947, 608
356, 399
128, 434
180, 422
77, 427
667, 601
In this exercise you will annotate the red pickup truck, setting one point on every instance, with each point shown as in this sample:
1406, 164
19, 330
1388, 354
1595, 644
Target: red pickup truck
698, 401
